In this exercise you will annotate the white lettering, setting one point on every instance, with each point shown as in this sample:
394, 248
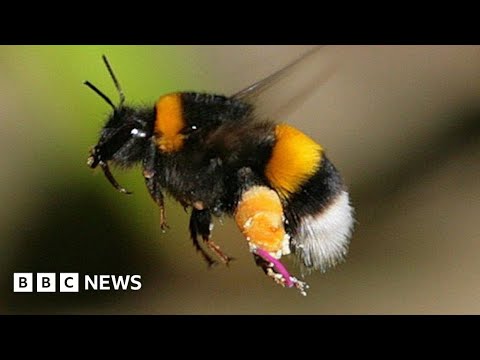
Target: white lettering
104, 282
89, 282
136, 280
120, 281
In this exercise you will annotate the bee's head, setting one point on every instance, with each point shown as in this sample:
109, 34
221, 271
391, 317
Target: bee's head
124, 138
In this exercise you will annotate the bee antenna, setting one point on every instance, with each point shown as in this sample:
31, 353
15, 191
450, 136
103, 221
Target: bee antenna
115, 81
101, 94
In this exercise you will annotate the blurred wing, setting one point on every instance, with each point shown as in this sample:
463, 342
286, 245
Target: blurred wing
283, 91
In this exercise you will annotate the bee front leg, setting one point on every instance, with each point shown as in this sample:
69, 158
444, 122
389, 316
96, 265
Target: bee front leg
201, 224
151, 180
157, 196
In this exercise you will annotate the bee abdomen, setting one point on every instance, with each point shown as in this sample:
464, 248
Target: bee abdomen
321, 239
317, 208
320, 219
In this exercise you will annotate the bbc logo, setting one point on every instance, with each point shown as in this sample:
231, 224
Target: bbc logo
45, 282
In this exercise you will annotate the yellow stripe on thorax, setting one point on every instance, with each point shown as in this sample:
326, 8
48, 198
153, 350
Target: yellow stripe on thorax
169, 122
295, 158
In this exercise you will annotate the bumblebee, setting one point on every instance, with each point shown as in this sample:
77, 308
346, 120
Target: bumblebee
217, 156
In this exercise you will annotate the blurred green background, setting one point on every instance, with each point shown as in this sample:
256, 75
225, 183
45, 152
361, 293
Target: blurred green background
400, 122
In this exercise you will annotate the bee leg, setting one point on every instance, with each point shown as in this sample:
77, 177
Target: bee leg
195, 229
268, 269
216, 249
157, 196
203, 220
152, 182
276, 271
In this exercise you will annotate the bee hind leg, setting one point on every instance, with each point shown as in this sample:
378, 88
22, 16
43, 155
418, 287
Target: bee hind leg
274, 269
201, 224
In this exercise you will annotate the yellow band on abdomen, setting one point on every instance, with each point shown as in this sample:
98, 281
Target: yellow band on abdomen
295, 158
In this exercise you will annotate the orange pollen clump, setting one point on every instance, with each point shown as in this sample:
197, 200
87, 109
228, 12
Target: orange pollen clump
259, 216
